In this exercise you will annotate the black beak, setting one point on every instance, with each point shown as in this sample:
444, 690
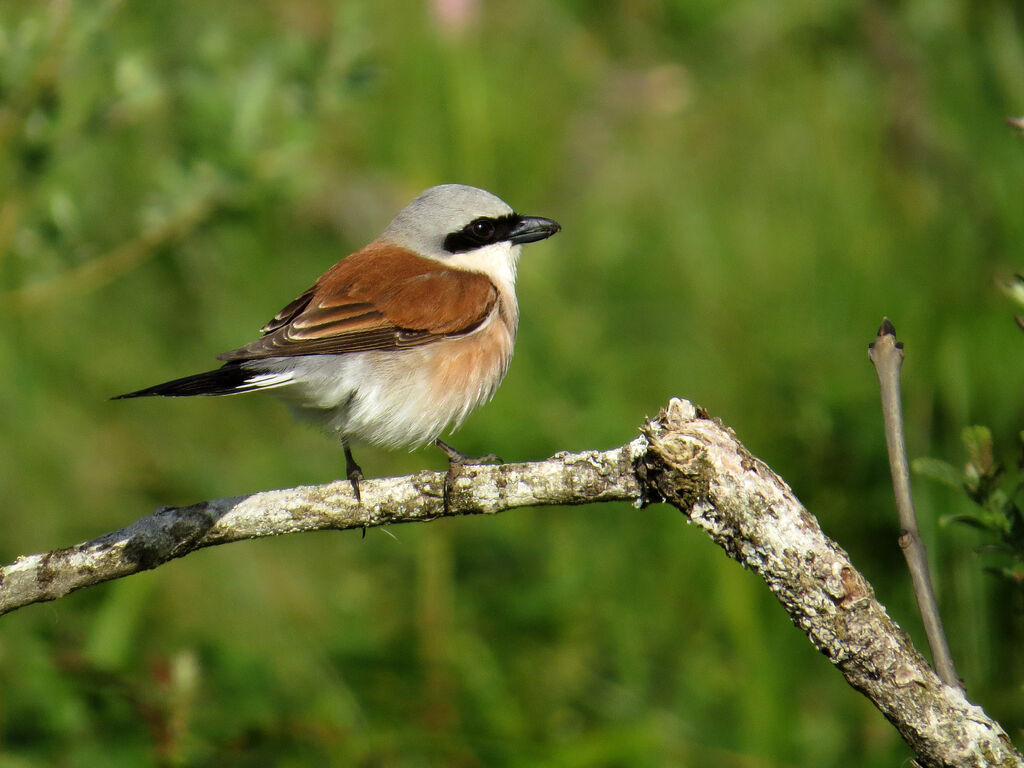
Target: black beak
530, 229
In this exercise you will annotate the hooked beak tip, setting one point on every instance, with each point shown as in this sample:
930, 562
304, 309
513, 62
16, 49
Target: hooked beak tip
533, 228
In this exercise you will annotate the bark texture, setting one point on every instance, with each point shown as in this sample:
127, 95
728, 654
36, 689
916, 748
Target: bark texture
698, 465
684, 458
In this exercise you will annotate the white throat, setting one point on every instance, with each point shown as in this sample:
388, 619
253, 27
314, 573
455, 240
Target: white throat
497, 261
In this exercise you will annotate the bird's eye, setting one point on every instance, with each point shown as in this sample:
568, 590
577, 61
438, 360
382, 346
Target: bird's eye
480, 233
482, 230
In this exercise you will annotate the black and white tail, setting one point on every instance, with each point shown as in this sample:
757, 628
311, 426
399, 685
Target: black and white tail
231, 379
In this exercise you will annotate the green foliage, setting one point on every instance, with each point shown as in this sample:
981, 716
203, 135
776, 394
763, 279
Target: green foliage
996, 497
745, 190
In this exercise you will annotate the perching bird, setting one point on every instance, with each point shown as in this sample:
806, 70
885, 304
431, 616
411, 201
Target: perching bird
401, 338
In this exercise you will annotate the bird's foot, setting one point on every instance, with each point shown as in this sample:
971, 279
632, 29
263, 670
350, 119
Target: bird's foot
456, 456
457, 461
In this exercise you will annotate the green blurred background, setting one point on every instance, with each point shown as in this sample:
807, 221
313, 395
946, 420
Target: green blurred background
745, 189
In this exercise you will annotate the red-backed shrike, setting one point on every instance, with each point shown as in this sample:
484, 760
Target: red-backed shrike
399, 339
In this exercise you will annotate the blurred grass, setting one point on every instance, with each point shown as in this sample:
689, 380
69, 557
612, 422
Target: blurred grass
745, 190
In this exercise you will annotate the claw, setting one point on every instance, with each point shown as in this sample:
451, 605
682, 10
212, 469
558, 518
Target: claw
455, 456
457, 460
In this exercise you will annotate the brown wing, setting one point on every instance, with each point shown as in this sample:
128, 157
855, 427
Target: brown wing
382, 297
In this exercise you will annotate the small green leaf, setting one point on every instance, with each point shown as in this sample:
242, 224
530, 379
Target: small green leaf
1010, 574
993, 549
937, 469
966, 519
972, 480
978, 441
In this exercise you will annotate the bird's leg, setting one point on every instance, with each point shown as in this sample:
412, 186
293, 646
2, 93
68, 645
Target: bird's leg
456, 461
353, 470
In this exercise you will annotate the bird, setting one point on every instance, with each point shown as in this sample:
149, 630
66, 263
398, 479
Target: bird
400, 339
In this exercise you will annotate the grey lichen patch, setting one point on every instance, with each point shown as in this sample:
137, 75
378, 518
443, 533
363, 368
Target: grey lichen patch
993, 759
48, 570
905, 675
462, 496
761, 509
748, 461
807, 521
429, 484
745, 519
791, 562
316, 498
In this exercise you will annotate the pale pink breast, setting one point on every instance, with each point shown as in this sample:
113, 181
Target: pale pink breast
467, 371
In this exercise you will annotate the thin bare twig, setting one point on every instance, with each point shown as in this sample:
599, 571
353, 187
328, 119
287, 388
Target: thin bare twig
887, 356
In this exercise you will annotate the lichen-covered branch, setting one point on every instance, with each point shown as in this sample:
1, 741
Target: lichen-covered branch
579, 478
684, 458
697, 464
